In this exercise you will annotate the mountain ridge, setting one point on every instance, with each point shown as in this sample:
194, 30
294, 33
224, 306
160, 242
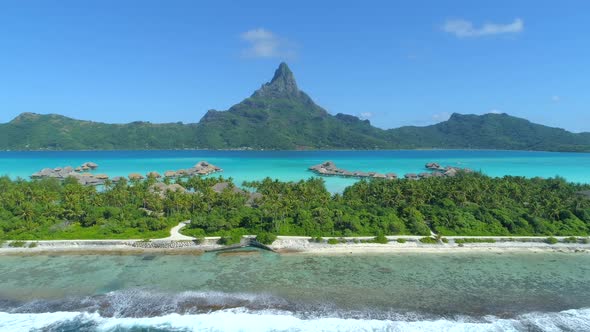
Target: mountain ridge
279, 115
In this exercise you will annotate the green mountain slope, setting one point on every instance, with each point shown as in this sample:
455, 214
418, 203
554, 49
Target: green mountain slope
489, 131
31, 131
280, 116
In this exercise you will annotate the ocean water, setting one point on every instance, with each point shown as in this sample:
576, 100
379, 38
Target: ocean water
293, 165
262, 291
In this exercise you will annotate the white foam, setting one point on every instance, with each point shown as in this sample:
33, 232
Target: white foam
27, 322
244, 320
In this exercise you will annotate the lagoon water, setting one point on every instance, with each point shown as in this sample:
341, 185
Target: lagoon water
263, 291
293, 165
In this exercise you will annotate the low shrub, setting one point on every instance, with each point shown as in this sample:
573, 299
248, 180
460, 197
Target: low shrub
444, 240
33, 245
380, 239
585, 240
428, 240
476, 240
333, 241
571, 239
230, 239
266, 238
551, 240
399, 240
17, 244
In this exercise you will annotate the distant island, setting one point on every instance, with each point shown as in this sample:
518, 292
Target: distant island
280, 116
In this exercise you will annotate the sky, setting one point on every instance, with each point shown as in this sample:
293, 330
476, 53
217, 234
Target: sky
393, 62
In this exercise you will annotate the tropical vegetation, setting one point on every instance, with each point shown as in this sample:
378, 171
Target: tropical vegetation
470, 204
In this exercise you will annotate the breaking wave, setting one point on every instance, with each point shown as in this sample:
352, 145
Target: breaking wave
140, 310
240, 319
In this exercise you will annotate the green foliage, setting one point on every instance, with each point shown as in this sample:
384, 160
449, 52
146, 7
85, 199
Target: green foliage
474, 240
17, 244
489, 131
571, 239
380, 239
231, 237
333, 241
266, 238
400, 240
469, 204
33, 245
428, 240
551, 240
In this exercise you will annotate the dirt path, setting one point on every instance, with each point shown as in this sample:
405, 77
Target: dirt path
175, 232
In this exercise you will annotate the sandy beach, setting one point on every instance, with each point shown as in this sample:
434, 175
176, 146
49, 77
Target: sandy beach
294, 245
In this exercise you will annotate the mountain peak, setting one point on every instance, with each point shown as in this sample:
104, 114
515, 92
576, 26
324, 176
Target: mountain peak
283, 75
282, 85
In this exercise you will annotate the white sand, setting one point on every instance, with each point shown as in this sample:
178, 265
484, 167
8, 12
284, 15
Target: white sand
179, 244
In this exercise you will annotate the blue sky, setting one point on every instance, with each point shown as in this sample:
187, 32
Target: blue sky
393, 62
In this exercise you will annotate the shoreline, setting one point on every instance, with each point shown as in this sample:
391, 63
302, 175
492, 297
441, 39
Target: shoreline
290, 245
296, 150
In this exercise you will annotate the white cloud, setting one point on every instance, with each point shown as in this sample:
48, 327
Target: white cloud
462, 28
365, 115
263, 43
444, 116
555, 99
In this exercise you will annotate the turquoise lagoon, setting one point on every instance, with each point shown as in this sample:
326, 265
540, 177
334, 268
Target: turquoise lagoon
293, 165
